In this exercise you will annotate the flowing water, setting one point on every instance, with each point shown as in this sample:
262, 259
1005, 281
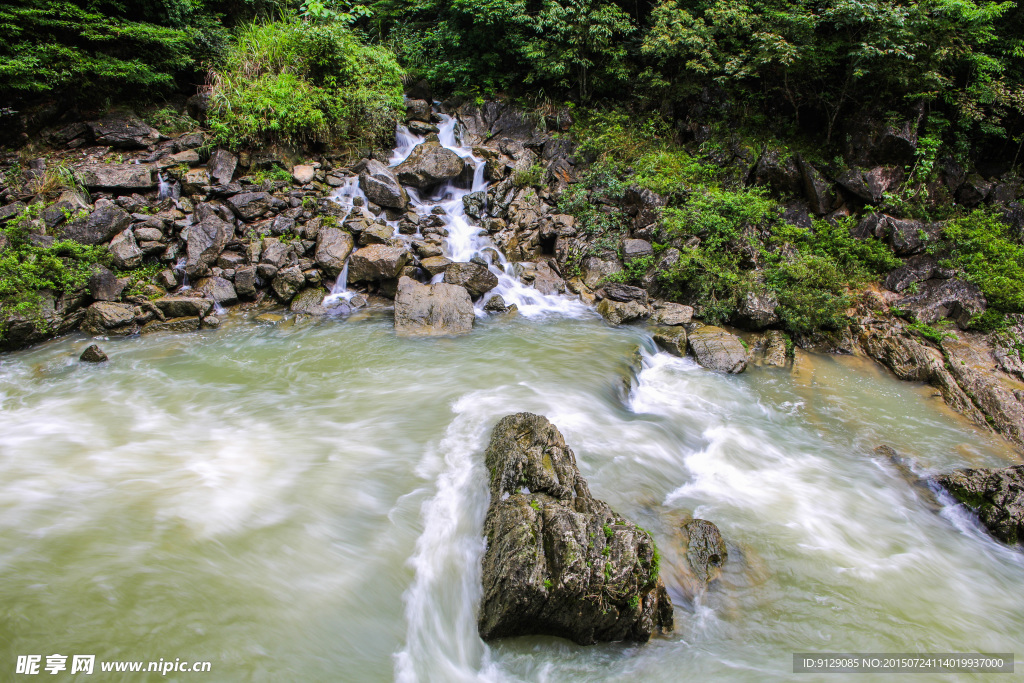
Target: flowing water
305, 503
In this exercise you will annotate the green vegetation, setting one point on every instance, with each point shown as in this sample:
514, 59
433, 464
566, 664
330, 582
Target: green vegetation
929, 332
982, 248
276, 173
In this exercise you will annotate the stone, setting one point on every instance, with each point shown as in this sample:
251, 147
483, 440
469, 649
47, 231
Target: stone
104, 285
219, 289
376, 233
93, 354
382, 187
98, 227
995, 495
473, 203
333, 247
705, 549
775, 351
269, 318
916, 269
125, 250
496, 304
245, 282
937, 299
477, 279
418, 110
635, 249
617, 291
716, 349
376, 262
185, 324
105, 317
287, 283
560, 562
756, 311
818, 191
195, 181
429, 164
594, 270
310, 301
189, 157
670, 339
206, 241
303, 173
167, 279
435, 265
116, 176
778, 170
909, 237
183, 306
667, 313
619, 312
431, 310
125, 131
250, 205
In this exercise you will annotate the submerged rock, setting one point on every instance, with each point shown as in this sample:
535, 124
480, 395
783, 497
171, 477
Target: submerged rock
716, 349
427, 310
93, 354
559, 562
705, 549
996, 495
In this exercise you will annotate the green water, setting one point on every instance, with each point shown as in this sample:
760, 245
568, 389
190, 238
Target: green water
305, 503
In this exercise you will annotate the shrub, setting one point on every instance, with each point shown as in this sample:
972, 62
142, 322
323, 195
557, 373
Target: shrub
981, 247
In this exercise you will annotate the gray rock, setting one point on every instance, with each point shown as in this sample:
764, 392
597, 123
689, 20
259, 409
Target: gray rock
774, 353
635, 249
594, 270
435, 264
104, 317
376, 262
915, 269
250, 205
496, 304
671, 339
995, 495
93, 354
222, 166
418, 110
99, 227
188, 324
287, 283
310, 301
116, 176
125, 250
817, 190
756, 311
716, 349
205, 242
937, 299
667, 313
430, 310
705, 549
219, 289
474, 203
560, 562
477, 279
619, 312
104, 285
333, 247
167, 279
183, 306
382, 187
126, 131
245, 282
377, 233
429, 164
617, 291
909, 237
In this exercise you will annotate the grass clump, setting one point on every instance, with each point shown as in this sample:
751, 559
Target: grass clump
297, 82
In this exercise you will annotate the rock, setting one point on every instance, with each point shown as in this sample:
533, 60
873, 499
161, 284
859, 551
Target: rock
996, 495
287, 283
619, 312
594, 270
93, 354
376, 262
126, 251
167, 279
619, 292
670, 339
428, 310
99, 227
756, 311
429, 164
222, 166
377, 233
310, 301
870, 185
705, 549
116, 176
817, 190
779, 171
250, 205
716, 349
196, 181
909, 237
210, 322
104, 285
333, 247
421, 128
109, 318
269, 318
774, 353
496, 304
477, 279
303, 173
635, 249
418, 110
973, 191
937, 299
245, 282
915, 269
473, 203
183, 306
125, 131
382, 187
205, 242
666, 313
560, 562
186, 324
218, 289
435, 264
971, 365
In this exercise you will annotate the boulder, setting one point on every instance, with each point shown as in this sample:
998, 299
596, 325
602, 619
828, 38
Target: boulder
183, 306
774, 352
756, 311
915, 269
435, 265
333, 247
496, 304
125, 131
705, 549
104, 285
937, 299
418, 110
667, 313
429, 310
218, 289
250, 205
376, 262
303, 173
185, 324
376, 233
995, 495
594, 270
473, 203
670, 339
716, 349
310, 301
116, 176
99, 227
382, 187
619, 312
93, 354
818, 191
635, 249
477, 279
222, 166
287, 283
104, 317
205, 242
245, 282
909, 237
870, 185
778, 170
430, 164
617, 291
560, 562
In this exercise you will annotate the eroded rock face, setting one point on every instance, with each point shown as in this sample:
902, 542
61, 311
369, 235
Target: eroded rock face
431, 310
995, 495
559, 562
717, 349
117, 176
430, 164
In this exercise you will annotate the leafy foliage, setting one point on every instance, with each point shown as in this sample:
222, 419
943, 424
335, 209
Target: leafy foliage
981, 247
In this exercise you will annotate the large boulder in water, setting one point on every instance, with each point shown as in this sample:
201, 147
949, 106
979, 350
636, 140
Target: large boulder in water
430, 310
382, 187
717, 349
376, 262
430, 164
560, 562
996, 495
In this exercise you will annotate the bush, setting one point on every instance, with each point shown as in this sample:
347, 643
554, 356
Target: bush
981, 247
297, 82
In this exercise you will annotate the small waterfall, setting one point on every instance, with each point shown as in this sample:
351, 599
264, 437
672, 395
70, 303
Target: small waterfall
168, 189
179, 267
348, 196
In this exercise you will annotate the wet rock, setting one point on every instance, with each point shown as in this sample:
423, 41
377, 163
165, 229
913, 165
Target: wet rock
269, 319
435, 264
333, 247
167, 279
619, 312
125, 131
287, 283
774, 351
670, 339
473, 203
496, 304
430, 310
667, 313
418, 110
222, 166
116, 176
477, 279
382, 187
560, 562
995, 495
756, 311
184, 324
541, 276
938, 299
245, 282
219, 289
205, 242
705, 549
183, 306
377, 233
93, 354
429, 164
104, 285
716, 349
250, 205
376, 262
310, 302
99, 227
303, 173
104, 317
971, 365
